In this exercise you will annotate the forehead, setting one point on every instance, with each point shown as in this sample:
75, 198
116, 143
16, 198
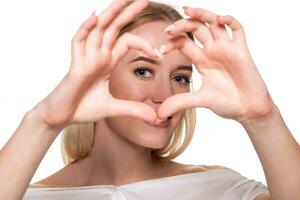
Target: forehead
153, 32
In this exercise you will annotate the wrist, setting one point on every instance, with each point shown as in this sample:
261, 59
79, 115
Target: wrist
269, 118
35, 118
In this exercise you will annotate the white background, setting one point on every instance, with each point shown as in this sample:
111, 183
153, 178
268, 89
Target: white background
35, 39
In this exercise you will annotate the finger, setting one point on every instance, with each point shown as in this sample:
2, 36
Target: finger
238, 33
187, 47
81, 35
199, 29
109, 14
200, 14
133, 109
179, 102
128, 41
104, 18
121, 20
218, 31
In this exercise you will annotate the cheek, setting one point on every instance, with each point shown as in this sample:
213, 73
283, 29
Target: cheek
180, 89
128, 87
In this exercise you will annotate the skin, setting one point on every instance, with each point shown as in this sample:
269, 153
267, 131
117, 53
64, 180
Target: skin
134, 138
151, 88
232, 88
82, 95
123, 142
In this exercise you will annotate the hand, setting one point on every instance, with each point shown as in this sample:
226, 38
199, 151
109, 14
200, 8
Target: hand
83, 95
231, 84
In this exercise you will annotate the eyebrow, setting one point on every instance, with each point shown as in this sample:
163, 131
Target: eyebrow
152, 61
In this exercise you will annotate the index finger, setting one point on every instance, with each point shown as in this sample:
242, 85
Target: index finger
187, 47
201, 14
121, 20
107, 16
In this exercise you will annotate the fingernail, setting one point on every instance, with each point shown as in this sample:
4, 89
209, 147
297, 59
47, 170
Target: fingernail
157, 52
169, 28
162, 49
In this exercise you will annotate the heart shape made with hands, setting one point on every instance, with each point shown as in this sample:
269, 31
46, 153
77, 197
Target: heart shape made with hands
231, 85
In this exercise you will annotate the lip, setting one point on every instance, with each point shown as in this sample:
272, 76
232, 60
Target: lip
164, 124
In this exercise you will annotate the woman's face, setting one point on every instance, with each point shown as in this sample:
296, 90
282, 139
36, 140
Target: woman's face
139, 78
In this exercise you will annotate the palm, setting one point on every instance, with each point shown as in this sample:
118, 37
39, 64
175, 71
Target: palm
90, 108
231, 84
98, 102
83, 95
229, 80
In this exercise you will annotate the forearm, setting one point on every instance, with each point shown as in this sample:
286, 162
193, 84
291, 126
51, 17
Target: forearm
279, 154
21, 155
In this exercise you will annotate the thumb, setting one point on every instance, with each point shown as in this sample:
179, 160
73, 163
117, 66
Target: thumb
180, 102
132, 108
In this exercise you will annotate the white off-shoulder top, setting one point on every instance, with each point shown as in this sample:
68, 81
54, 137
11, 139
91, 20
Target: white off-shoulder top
217, 184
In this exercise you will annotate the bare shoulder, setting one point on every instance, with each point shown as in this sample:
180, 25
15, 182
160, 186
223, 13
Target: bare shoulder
54, 180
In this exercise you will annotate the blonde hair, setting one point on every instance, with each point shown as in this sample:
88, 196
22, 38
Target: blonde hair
77, 139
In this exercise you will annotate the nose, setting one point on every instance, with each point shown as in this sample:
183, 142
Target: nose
162, 91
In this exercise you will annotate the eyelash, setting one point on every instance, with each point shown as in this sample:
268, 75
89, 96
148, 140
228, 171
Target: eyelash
187, 80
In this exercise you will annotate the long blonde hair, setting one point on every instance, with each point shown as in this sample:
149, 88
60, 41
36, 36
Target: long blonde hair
77, 139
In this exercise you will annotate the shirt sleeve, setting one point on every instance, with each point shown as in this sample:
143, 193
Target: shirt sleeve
247, 189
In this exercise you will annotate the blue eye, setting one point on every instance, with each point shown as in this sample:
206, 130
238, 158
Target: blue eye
142, 71
186, 80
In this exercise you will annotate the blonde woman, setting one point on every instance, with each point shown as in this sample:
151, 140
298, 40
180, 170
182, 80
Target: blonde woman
126, 109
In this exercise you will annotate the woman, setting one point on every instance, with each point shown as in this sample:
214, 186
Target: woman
122, 128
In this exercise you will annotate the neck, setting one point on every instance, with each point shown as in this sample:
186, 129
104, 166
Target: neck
115, 160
